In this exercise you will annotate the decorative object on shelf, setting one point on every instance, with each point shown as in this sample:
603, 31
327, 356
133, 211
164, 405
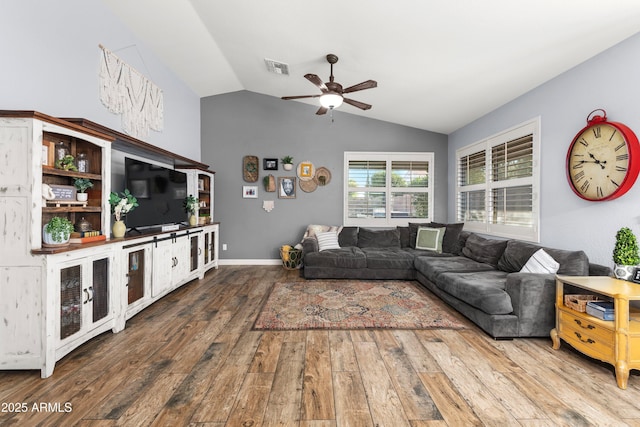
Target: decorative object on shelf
268, 205
204, 219
61, 150
625, 254
287, 187
63, 193
200, 184
66, 163
270, 164
306, 171
269, 183
190, 205
82, 162
82, 185
308, 186
125, 91
56, 232
121, 204
47, 192
322, 176
250, 191
250, 168
287, 163
603, 161
82, 226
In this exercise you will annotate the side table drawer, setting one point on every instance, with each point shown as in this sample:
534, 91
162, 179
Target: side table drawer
583, 325
586, 336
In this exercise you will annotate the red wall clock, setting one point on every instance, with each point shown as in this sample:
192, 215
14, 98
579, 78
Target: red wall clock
603, 160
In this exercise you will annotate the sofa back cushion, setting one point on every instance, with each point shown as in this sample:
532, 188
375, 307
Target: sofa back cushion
484, 250
368, 238
517, 253
450, 242
348, 236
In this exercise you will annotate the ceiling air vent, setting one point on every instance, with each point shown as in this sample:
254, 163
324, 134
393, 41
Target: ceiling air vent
277, 67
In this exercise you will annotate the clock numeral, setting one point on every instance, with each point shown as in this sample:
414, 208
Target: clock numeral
613, 134
599, 192
620, 146
583, 142
597, 132
622, 157
615, 183
620, 169
578, 166
577, 177
585, 186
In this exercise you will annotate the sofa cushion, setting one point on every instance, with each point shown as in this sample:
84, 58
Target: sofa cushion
541, 262
413, 232
404, 237
368, 238
450, 243
348, 236
484, 250
430, 239
349, 257
327, 240
393, 258
484, 290
431, 267
517, 253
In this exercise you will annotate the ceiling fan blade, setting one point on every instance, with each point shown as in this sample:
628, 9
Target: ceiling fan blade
313, 78
300, 96
369, 84
360, 105
321, 111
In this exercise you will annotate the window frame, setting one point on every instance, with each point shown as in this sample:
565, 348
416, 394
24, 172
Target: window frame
530, 233
388, 157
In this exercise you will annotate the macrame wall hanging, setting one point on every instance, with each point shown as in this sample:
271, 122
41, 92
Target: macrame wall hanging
125, 91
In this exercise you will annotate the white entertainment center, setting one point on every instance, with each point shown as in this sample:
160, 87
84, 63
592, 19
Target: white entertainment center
54, 299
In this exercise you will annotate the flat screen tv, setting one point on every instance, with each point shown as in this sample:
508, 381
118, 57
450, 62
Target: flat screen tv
160, 192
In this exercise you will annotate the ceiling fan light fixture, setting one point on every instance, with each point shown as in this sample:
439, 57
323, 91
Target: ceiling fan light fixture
331, 100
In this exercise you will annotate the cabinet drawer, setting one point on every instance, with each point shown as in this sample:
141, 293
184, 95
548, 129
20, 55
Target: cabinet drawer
585, 326
591, 345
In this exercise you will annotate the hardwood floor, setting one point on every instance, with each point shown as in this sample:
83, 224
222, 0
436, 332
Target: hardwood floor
192, 360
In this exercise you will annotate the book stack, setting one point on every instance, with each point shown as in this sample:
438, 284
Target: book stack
601, 309
86, 237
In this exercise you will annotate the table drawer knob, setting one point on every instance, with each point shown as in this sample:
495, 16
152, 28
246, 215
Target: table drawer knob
579, 322
588, 340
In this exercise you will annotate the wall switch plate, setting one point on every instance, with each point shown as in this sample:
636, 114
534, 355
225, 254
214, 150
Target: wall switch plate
224, 246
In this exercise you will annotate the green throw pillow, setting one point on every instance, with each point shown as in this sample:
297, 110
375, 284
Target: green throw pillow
430, 239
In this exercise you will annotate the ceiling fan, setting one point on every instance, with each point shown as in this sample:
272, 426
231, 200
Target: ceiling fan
332, 92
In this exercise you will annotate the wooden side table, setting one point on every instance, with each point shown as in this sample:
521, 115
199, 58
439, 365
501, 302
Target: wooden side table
613, 341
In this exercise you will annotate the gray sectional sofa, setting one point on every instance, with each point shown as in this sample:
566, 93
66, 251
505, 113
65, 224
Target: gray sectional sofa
477, 276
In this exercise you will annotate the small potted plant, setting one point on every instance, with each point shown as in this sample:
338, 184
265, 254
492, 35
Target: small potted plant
121, 204
66, 163
82, 185
190, 206
56, 232
625, 253
287, 163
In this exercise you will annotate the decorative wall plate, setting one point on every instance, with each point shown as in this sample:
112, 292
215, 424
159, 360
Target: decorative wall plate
250, 168
306, 171
308, 186
323, 176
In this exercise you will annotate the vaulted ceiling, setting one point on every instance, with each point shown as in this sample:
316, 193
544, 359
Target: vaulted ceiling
439, 64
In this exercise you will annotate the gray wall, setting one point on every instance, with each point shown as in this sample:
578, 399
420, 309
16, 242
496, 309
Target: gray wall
609, 81
50, 63
245, 123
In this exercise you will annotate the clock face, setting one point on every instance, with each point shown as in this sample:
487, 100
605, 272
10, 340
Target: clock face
598, 163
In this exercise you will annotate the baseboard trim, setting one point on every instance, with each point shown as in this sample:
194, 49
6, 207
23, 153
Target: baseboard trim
249, 262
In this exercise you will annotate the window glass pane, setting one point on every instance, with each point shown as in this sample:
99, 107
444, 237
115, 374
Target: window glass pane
513, 159
471, 169
365, 204
409, 174
513, 206
367, 173
409, 205
471, 206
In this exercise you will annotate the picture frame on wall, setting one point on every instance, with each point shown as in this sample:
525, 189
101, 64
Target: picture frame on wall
287, 187
250, 191
270, 164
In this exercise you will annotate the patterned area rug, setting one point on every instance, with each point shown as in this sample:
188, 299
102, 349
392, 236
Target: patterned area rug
344, 304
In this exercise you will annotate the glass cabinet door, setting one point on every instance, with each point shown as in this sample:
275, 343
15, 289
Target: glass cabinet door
135, 274
70, 300
100, 289
194, 252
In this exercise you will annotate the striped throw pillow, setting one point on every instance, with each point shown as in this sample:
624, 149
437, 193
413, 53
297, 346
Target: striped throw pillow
541, 262
327, 240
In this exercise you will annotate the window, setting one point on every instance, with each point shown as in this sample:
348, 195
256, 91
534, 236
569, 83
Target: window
498, 181
387, 189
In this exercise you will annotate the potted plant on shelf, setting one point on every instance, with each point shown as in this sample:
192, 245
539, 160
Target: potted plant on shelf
82, 185
56, 232
625, 254
66, 163
287, 163
121, 204
190, 206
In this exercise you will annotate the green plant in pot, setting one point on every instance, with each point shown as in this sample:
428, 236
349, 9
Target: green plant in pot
625, 253
287, 163
190, 206
66, 163
57, 232
82, 185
